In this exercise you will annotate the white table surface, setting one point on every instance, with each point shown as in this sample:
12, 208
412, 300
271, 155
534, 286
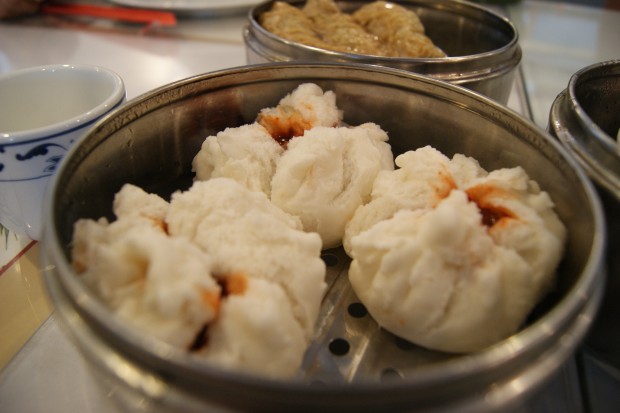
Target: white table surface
144, 61
556, 40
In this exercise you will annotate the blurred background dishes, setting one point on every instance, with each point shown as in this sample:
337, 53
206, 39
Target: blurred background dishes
585, 117
191, 8
482, 47
151, 142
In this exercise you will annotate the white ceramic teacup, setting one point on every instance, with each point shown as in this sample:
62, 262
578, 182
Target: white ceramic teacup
43, 111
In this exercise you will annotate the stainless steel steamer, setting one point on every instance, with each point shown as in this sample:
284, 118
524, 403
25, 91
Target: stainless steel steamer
352, 365
482, 46
585, 117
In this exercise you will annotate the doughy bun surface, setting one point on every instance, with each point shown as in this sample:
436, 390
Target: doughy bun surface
460, 258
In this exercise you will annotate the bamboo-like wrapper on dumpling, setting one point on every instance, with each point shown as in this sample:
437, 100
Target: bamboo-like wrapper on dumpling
291, 23
399, 28
340, 30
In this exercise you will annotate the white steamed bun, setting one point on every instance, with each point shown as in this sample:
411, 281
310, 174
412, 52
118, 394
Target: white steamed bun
451, 257
219, 271
248, 154
244, 233
327, 173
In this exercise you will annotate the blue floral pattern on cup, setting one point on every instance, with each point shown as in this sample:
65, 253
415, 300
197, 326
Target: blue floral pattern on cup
31, 160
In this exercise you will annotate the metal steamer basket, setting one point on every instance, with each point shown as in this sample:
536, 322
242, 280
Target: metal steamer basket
352, 365
585, 118
482, 47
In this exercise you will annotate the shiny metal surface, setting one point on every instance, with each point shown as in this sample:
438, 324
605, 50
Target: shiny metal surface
482, 46
585, 118
151, 142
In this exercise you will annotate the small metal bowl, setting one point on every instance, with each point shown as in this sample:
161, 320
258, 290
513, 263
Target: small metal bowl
482, 46
585, 117
151, 141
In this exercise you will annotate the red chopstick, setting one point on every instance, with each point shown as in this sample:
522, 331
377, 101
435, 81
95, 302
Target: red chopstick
112, 12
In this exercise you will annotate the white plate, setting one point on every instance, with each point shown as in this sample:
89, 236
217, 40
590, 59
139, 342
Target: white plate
191, 6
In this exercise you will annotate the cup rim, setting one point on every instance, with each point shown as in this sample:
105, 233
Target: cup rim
113, 100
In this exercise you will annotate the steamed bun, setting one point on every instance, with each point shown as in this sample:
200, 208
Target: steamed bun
303, 159
451, 257
248, 154
160, 284
436, 278
133, 207
422, 179
327, 173
257, 332
303, 109
219, 271
246, 235
519, 216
